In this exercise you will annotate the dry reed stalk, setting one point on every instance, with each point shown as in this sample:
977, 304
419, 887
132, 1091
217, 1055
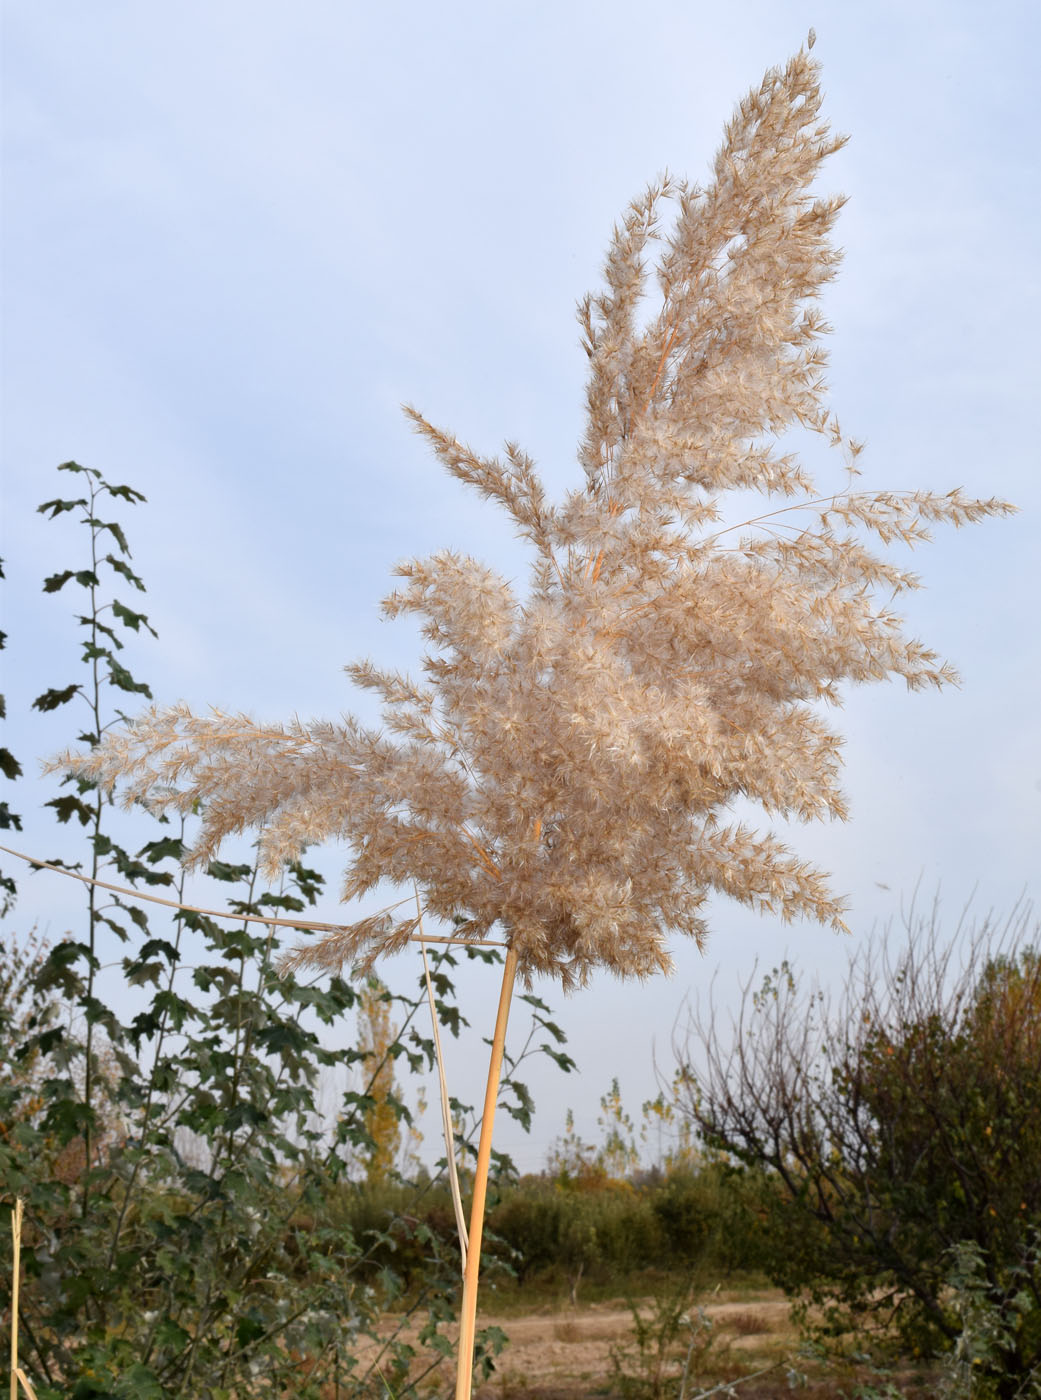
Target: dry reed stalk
299, 925
468, 1317
16, 1243
18, 1376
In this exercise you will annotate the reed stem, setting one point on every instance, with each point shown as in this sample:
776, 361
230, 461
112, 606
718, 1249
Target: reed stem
16, 1249
468, 1317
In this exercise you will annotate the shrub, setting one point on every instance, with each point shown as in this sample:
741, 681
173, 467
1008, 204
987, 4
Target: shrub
571, 1234
899, 1127
161, 1121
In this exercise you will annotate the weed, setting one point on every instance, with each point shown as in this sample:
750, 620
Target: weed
668, 1345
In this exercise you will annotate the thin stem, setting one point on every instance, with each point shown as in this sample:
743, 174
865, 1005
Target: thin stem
662, 362
16, 1245
146, 1111
307, 925
485, 858
786, 510
94, 702
446, 1111
467, 1320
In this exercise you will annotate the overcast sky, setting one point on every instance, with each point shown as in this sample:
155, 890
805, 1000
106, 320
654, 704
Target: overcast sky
239, 234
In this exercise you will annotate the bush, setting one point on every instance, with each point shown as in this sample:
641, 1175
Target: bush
183, 1232
570, 1234
713, 1218
895, 1129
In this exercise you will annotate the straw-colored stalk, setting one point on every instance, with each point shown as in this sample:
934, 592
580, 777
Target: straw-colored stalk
18, 1376
16, 1232
468, 1314
297, 925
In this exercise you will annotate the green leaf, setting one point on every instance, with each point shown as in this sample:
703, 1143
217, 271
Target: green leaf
138, 917
309, 882
116, 928
67, 1118
9, 765
559, 1058
126, 493
220, 870
550, 1026
123, 568
114, 529
86, 578
287, 902
96, 624
51, 699
174, 1007
249, 1328
437, 1342
523, 1109
129, 618
120, 677
133, 870
535, 1002
171, 1335
283, 1038
67, 807
156, 946
55, 508
167, 847
40, 1045
244, 1115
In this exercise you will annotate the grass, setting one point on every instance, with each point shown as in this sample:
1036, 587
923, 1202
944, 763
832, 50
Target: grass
747, 1324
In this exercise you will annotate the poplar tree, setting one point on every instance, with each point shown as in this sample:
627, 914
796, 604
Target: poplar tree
383, 1112
559, 775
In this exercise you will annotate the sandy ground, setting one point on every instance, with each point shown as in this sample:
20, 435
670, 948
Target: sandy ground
568, 1351
560, 1352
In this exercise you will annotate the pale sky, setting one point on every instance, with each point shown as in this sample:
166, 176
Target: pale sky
238, 234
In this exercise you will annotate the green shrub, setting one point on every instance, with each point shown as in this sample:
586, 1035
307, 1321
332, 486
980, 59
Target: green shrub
183, 1230
570, 1234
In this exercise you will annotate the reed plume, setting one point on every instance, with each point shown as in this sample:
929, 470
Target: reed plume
560, 772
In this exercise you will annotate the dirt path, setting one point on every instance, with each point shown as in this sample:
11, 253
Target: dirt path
567, 1351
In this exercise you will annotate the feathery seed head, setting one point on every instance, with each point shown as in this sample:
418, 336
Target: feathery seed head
561, 772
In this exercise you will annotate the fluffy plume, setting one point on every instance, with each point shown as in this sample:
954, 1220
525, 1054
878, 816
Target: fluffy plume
562, 770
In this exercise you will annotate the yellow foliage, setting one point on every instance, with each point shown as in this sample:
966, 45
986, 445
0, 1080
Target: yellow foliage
376, 1035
